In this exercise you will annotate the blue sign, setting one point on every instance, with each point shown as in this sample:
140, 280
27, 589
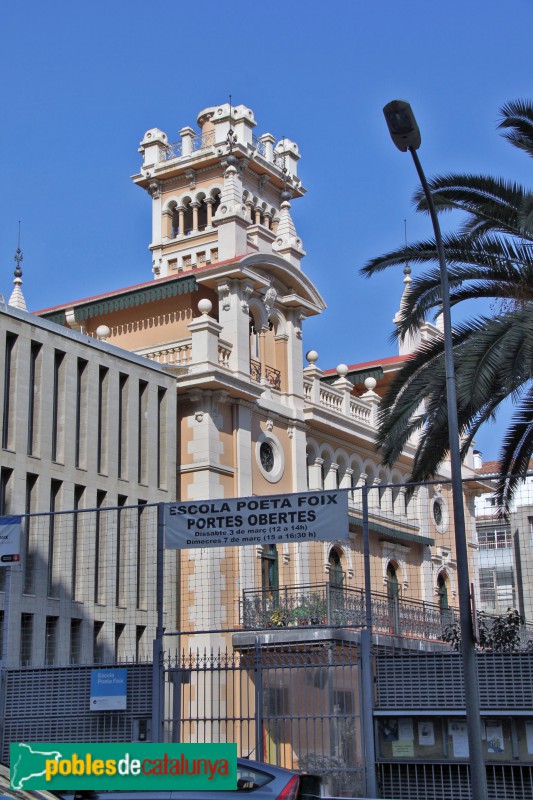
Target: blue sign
108, 689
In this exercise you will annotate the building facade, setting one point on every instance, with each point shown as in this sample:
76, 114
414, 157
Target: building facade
85, 425
224, 316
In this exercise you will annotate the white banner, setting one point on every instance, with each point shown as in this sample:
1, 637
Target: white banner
9, 540
268, 519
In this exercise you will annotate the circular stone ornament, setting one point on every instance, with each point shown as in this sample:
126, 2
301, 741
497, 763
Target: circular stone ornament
441, 516
270, 457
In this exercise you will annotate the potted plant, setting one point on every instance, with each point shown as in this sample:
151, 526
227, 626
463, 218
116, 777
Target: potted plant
312, 610
280, 617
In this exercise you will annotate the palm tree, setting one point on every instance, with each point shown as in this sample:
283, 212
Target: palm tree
491, 256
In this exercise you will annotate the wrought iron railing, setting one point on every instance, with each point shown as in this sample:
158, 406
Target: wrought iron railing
202, 140
323, 604
273, 377
255, 370
258, 145
173, 150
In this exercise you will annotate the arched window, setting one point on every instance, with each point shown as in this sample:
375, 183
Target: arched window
393, 598
446, 613
336, 573
269, 569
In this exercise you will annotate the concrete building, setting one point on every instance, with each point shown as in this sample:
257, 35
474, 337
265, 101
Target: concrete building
505, 557
85, 425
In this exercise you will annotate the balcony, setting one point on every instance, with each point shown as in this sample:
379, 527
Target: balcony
320, 604
272, 376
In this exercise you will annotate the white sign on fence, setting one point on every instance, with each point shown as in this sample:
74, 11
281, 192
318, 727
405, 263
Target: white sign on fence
268, 519
9, 540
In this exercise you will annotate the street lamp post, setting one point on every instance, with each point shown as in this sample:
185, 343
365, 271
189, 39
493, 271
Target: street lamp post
405, 134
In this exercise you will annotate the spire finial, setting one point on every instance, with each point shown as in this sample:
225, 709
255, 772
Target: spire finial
285, 194
407, 268
17, 298
18, 258
231, 138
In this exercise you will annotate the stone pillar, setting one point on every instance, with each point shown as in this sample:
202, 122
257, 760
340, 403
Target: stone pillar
166, 224
187, 137
231, 217
330, 479
346, 387
181, 220
315, 373
358, 491
373, 495
399, 505
315, 475
372, 400
268, 141
209, 201
233, 313
257, 220
262, 353
386, 500
346, 480
195, 206
250, 210
266, 219
205, 332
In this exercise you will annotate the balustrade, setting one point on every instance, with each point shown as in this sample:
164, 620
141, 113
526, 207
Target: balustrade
323, 605
176, 354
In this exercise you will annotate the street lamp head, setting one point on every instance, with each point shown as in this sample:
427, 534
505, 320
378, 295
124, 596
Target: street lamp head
402, 125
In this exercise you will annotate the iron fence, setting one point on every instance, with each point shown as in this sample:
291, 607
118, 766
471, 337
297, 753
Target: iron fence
287, 705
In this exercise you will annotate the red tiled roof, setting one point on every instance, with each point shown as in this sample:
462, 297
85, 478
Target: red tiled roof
380, 362
135, 287
493, 468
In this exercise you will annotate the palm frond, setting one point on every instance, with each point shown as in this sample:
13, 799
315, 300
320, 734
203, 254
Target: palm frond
517, 124
491, 203
516, 450
490, 256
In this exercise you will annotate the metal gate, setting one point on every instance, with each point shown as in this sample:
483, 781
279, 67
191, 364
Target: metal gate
51, 704
295, 706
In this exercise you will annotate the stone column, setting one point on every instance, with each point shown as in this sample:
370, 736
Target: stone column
346, 480
166, 224
315, 474
330, 480
258, 216
205, 332
209, 201
262, 353
187, 136
195, 206
181, 220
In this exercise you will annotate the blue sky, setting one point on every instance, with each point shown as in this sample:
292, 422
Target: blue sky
82, 82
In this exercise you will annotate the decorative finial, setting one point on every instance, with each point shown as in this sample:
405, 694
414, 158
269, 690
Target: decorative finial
407, 268
286, 195
17, 298
18, 258
231, 139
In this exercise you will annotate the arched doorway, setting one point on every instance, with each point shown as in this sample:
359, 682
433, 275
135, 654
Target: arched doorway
335, 603
446, 614
393, 597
